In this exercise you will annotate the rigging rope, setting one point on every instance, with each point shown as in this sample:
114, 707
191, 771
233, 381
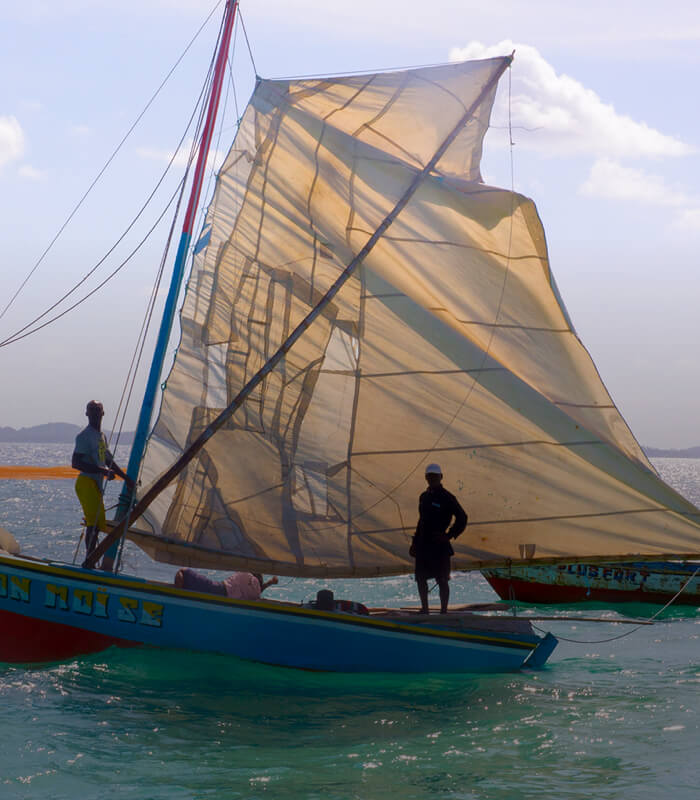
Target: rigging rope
17, 337
140, 344
20, 334
235, 96
633, 630
107, 163
351, 73
141, 340
245, 33
232, 82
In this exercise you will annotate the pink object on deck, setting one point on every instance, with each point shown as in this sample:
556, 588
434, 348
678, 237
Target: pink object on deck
242, 586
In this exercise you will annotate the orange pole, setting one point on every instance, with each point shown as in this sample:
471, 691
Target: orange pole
25, 472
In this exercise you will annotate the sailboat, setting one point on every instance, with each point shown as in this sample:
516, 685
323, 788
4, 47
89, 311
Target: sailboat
657, 582
359, 304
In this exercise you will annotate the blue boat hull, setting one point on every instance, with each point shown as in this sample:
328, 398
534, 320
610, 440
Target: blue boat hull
51, 611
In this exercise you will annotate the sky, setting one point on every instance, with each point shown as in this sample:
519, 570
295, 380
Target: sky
605, 124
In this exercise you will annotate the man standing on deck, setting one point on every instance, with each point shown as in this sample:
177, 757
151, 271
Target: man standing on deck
431, 542
95, 462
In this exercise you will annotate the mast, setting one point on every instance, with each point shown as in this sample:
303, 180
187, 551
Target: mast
144, 421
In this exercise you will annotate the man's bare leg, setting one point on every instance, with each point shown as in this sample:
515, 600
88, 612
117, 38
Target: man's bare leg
423, 594
444, 587
90, 539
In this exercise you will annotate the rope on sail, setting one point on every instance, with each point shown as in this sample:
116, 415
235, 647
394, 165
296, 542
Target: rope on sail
220, 420
107, 163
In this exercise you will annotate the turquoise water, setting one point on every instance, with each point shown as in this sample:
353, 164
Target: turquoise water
603, 720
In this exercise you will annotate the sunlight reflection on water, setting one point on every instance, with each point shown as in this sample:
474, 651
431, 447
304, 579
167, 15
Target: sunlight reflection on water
609, 720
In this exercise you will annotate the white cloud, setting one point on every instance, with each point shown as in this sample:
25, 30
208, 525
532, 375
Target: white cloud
31, 173
556, 114
11, 140
612, 180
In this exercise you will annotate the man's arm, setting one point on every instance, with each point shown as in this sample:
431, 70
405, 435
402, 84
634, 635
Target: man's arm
80, 462
114, 467
418, 534
420, 525
460, 522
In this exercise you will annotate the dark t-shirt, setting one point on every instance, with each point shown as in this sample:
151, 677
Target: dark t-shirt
431, 542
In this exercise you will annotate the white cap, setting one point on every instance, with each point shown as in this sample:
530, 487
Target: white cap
433, 469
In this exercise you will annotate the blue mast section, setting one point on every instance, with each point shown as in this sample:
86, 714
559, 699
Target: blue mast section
153, 383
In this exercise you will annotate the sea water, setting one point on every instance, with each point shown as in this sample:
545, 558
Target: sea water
607, 718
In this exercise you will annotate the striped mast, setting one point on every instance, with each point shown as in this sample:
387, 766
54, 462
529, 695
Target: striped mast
152, 385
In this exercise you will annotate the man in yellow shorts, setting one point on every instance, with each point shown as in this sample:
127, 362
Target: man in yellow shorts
95, 463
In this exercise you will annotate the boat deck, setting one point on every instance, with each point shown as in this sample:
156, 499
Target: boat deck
458, 619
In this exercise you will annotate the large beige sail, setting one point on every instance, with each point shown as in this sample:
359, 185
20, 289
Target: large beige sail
449, 343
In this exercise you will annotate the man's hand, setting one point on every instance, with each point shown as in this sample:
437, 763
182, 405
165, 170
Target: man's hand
109, 474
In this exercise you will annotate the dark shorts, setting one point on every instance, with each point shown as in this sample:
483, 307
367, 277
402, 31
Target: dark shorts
436, 567
432, 556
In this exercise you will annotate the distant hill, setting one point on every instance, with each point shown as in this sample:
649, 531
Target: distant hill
65, 433
657, 452
52, 433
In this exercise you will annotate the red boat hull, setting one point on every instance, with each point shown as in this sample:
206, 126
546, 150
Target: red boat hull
27, 640
656, 583
531, 592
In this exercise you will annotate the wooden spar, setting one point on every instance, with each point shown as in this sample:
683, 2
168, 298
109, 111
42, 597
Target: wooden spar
217, 423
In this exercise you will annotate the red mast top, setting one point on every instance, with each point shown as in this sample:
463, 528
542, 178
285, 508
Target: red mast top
208, 132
